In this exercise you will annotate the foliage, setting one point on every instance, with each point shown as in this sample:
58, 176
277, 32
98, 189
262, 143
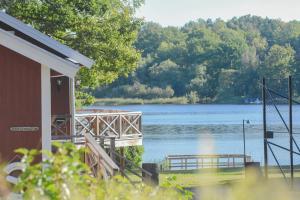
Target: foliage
138, 90
126, 101
83, 99
222, 61
135, 154
103, 30
63, 175
57, 175
193, 97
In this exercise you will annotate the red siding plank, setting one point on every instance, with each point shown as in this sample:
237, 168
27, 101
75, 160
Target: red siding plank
20, 102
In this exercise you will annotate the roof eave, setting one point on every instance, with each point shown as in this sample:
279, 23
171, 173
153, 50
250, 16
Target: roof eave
38, 54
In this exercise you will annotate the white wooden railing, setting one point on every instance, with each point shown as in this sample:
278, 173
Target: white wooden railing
125, 127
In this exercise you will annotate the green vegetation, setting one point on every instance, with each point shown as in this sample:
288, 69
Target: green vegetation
211, 61
103, 30
213, 177
204, 61
63, 175
198, 178
123, 101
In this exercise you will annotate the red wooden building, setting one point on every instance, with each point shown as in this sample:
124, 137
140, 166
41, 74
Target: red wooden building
36, 82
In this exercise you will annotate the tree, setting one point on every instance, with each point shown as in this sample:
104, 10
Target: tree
202, 44
198, 83
221, 61
149, 38
102, 30
167, 73
278, 65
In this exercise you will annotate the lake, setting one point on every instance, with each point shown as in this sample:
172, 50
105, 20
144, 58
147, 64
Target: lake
206, 129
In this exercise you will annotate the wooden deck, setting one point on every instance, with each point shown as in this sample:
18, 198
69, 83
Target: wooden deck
194, 162
124, 127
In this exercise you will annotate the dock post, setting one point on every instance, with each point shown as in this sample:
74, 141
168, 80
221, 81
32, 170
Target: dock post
265, 129
291, 130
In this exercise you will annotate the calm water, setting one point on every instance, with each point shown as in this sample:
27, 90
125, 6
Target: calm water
200, 129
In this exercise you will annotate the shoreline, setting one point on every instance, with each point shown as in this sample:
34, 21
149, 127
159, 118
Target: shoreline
174, 101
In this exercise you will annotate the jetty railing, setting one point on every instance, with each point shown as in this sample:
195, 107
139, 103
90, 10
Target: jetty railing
194, 162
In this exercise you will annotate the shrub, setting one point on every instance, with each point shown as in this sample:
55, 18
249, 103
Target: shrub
63, 175
193, 97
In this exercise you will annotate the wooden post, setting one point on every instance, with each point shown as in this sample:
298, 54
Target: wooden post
120, 126
233, 162
122, 160
97, 125
228, 161
112, 148
102, 141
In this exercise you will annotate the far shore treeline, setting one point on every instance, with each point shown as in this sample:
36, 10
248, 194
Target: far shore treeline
210, 61
204, 61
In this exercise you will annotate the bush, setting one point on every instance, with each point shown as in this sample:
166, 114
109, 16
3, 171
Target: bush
137, 90
64, 176
134, 154
121, 101
193, 97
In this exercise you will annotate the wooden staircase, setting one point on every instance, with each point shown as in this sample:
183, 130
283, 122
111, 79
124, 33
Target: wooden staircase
105, 163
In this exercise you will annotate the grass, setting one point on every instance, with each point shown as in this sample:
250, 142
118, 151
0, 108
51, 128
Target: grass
203, 178
206, 177
132, 101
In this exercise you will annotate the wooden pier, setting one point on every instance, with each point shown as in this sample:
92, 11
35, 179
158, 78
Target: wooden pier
194, 162
101, 132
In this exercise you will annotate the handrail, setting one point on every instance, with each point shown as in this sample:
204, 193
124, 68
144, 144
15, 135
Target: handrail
103, 159
132, 163
99, 114
128, 168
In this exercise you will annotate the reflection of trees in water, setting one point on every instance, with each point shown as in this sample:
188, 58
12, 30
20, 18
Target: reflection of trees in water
197, 129
177, 131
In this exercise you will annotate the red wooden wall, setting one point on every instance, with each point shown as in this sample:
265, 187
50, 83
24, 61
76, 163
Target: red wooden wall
20, 102
60, 104
59, 95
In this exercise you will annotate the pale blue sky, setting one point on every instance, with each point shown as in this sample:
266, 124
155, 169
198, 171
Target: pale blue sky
178, 12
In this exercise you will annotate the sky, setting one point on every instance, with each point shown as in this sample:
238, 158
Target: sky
178, 12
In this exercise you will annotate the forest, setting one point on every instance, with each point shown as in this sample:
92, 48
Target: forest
210, 61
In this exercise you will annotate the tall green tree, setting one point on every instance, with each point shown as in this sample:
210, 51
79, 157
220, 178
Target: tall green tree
218, 60
104, 30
